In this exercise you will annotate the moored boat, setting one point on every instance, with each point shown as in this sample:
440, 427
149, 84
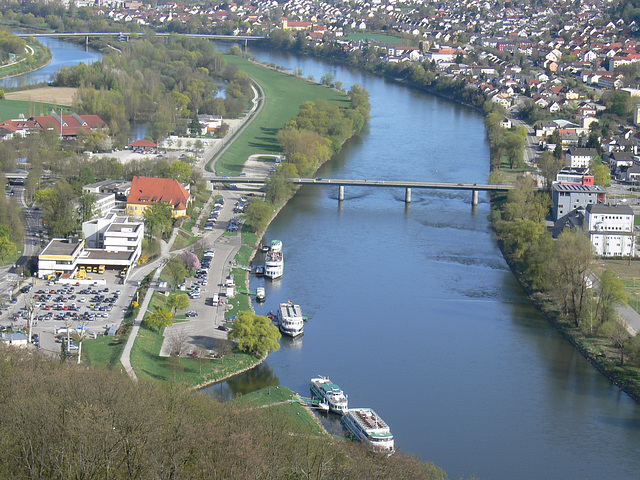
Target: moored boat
290, 319
260, 294
274, 264
276, 246
331, 393
370, 429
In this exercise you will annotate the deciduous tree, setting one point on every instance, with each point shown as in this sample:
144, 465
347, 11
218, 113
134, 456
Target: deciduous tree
254, 333
178, 301
159, 319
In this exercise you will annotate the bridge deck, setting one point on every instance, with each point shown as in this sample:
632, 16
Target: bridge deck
371, 183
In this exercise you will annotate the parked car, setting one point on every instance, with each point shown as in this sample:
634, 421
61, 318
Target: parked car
224, 328
191, 313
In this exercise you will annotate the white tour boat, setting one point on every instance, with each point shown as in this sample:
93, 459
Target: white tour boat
276, 246
330, 393
260, 294
290, 319
274, 264
370, 429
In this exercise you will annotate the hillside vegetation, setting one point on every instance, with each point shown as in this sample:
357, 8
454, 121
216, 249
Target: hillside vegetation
60, 421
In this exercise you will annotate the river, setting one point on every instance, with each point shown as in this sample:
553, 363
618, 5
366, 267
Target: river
65, 54
413, 311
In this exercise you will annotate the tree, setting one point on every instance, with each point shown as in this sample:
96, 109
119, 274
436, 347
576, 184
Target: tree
618, 335
601, 173
254, 333
7, 248
159, 319
327, 79
158, 219
190, 260
176, 271
568, 269
549, 166
178, 301
611, 291
87, 206
258, 214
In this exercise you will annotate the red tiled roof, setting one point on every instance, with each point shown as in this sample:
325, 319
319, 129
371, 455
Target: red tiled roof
143, 143
71, 124
150, 190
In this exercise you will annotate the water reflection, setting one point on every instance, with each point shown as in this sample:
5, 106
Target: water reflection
259, 377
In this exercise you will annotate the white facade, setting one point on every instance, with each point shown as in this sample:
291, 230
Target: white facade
580, 157
114, 233
610, 229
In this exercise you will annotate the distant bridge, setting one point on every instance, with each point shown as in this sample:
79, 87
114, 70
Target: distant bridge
127, 35
407, 185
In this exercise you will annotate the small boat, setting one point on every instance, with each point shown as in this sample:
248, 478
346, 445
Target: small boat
290, 319
331, 393
260, 294
370, 429
259, 270
265, 248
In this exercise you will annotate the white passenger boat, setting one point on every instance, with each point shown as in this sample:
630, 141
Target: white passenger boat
274, 264
370, 429
290, 319
260, 294
331, 393
276, 246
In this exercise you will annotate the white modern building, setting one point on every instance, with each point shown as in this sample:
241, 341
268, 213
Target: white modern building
610, 229
112, 242
580, 157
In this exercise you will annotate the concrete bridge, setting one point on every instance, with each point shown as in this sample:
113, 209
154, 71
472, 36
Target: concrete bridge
127, 35
342, 183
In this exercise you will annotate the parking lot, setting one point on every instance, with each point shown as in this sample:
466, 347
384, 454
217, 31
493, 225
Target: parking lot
96, 306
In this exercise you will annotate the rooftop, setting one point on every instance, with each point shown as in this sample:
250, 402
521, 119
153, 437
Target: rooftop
62, 247
610, 209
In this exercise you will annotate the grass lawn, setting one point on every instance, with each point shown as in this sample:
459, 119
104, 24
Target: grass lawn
41, 56
378, 37
183, 239
148, 364
278, 395
104, 352
13, 108
630, 276
284, 95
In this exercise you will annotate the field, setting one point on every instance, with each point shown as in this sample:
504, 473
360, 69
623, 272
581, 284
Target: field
38, 101
284, 95
53, 95
374, 36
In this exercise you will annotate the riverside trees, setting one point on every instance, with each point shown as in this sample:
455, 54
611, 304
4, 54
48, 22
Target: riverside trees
255, 334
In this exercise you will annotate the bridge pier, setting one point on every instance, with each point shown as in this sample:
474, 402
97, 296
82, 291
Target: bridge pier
474, 198
341, 193
407, 195
86, 43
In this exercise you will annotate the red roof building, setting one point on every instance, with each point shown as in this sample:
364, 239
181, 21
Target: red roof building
68, 125
147, 191
142, 145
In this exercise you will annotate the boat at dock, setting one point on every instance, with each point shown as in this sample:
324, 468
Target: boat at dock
329, 392
260, 294
290, 319
274, 264
276, 246
370, 429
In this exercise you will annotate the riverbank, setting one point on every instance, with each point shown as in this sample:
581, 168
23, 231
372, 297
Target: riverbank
38, 57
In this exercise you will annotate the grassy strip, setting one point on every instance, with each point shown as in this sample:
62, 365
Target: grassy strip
27, 62
284, 95
104, 352
269, 396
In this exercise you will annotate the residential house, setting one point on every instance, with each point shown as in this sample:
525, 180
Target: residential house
580, 157
568, 198
610, 229
147, 191
67, 126
619, 162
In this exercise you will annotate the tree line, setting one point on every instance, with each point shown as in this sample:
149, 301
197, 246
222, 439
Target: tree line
60, 421
559, 273
308, 140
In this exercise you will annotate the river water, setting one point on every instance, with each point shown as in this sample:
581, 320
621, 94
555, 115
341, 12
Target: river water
65, 54
413, 311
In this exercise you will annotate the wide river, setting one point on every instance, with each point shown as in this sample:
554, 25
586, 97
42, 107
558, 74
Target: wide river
413, 311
